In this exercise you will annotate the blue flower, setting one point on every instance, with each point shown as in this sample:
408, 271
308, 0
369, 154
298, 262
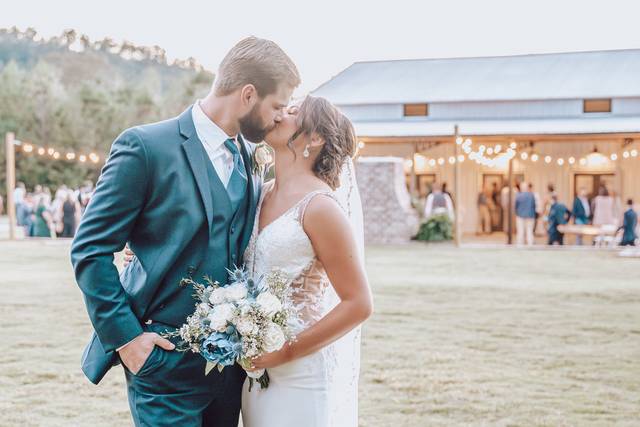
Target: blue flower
222, 349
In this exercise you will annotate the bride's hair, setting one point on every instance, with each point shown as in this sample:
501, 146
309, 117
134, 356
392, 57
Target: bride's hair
317, 115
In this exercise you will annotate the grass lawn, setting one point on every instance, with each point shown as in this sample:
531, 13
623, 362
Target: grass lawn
459, 337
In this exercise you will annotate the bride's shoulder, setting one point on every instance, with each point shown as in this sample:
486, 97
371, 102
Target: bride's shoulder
322, 210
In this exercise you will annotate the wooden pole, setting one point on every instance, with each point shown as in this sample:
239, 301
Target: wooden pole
510, 201
456, 178
413, 180
11, 183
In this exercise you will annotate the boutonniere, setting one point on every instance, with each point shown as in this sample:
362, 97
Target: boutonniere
262, 158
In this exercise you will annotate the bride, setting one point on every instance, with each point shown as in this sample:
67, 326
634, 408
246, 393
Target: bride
309, 224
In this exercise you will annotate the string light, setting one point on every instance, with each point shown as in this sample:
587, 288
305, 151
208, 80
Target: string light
29, 148
502, 158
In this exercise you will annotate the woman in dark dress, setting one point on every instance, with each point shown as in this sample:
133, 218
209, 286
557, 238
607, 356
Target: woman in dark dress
41, 226
69, 208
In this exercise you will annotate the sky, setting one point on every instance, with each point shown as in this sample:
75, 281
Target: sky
324, 37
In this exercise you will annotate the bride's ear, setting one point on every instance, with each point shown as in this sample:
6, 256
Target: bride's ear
316, 141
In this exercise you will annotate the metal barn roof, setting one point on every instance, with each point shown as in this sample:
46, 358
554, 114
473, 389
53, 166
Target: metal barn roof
579, 75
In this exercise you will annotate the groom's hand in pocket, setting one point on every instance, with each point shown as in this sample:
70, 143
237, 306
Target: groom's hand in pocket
136, 352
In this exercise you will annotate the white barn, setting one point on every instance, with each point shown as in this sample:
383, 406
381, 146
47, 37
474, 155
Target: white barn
573, 120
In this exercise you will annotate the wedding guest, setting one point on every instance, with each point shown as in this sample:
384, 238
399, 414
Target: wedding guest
525, 215
484, 214
445, 191
42, 222
56, 210
617, 207
69, 214
581, 211
629, 225
604, 211
539, 208
558, 214
26, 215
18, 197
84, 196
438, 202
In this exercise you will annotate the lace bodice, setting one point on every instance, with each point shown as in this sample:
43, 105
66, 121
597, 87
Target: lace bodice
284, 245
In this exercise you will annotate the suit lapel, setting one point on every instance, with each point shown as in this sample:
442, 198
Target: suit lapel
251, 211
193, 150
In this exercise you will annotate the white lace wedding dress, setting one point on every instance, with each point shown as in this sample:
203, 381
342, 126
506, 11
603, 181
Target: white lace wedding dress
302, 392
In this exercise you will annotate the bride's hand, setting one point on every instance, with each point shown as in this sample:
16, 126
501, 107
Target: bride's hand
271, 360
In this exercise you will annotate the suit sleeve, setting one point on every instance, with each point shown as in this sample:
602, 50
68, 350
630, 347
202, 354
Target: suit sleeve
110, 216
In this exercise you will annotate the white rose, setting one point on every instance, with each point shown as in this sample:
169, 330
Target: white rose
220, 316
236, 292
218, 296
245, 326
273, 338
269, 303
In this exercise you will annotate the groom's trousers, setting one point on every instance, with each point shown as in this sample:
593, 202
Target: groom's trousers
171, 389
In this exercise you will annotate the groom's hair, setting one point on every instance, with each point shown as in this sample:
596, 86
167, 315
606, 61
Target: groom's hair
259, 62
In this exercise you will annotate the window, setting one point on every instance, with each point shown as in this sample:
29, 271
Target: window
412, 110
597, 106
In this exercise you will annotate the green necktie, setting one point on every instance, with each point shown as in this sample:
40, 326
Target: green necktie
237, 186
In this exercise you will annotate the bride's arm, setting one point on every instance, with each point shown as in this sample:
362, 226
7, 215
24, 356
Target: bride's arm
333, 241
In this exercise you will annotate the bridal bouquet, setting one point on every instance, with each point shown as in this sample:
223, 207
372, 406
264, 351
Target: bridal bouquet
239, 321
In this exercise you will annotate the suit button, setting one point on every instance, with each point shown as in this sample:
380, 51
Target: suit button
233, 257
233, 230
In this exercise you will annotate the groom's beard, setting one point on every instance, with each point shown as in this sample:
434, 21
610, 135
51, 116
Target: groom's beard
252, 128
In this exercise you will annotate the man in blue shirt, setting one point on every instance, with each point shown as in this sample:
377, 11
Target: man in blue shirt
629, 225
525, 215
558, 214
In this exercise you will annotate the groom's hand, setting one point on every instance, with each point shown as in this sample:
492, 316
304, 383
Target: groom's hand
136, 352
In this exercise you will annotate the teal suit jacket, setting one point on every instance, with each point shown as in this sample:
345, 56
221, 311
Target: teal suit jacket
153, 193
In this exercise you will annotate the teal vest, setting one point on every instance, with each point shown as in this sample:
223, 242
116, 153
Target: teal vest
222, 252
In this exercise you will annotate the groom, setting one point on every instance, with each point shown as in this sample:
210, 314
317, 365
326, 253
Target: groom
182, 193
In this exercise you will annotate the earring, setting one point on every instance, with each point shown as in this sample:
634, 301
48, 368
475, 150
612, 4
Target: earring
305, 153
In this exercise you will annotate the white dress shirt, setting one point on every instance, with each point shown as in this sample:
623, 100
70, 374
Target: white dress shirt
213, 139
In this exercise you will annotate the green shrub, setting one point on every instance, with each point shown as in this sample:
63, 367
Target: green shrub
437, 228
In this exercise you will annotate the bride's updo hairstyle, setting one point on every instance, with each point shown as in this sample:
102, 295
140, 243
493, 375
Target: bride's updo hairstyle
317, 115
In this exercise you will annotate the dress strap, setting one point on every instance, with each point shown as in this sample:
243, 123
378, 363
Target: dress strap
304, 203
